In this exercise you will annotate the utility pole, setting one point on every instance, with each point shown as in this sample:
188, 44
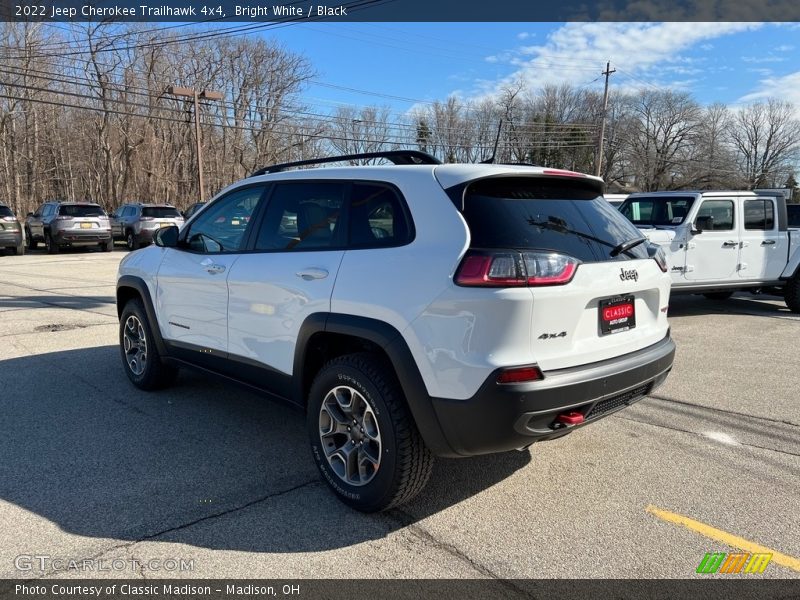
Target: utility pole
195, 95
599, 160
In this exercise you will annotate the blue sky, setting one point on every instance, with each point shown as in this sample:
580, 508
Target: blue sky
717, 62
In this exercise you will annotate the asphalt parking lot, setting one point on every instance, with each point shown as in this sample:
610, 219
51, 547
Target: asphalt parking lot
93, 468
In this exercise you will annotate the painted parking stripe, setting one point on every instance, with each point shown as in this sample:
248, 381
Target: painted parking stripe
724, 537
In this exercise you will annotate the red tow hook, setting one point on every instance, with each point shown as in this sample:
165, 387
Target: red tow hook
570, 418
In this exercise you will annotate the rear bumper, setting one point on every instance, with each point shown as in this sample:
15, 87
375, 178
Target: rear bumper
76, 237
10, 238
503, 417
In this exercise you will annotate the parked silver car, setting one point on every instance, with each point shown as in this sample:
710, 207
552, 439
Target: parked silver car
60, 224
138, 223
10, 231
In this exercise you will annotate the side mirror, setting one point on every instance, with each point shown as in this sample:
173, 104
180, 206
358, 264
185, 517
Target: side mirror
703, 223
30, 214
167, 237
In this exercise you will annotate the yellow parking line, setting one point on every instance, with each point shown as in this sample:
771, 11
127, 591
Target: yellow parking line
724, 537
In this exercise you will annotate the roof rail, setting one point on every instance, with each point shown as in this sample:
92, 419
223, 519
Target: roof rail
398, 157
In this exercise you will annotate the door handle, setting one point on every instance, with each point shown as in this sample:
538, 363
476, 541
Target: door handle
729, 243
309, 274
767, 242
214, 268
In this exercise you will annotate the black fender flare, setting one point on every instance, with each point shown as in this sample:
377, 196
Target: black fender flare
394, 345
138, 284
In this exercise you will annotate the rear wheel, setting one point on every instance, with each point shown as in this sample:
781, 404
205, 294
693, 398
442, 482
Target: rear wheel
363, 438
140, 356
132, 241
108, 245
19, 249
791, 295
50, 244
718, 295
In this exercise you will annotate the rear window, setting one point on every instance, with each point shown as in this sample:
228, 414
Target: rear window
794, 215
5, 212
80, 210
659, 210
547, 214
160, 212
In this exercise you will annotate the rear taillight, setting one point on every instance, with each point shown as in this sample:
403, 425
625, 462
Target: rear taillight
658, 255
511, 268
520, 375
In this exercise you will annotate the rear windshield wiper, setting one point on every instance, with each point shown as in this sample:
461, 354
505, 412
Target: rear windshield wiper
629, 245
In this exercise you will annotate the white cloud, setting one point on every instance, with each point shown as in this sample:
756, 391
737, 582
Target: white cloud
763, 59
785, 87
576, 52
525, 35
784, 48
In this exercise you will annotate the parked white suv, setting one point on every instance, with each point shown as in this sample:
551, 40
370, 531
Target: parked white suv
411, 310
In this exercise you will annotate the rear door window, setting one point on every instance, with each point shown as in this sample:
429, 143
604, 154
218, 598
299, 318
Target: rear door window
759, 214
569, 217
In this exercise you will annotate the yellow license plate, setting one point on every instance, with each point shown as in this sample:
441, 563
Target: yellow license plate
234, 222
164, 224
86, 225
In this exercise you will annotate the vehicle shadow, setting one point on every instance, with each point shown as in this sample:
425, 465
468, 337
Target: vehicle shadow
741, 303
202, 463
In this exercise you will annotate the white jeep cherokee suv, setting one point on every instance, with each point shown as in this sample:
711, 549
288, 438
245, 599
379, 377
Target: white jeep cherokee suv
411, 310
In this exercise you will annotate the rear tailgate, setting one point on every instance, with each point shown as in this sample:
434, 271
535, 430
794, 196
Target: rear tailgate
616, 301
607, 310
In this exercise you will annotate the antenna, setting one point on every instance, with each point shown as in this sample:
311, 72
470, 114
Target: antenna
489, 161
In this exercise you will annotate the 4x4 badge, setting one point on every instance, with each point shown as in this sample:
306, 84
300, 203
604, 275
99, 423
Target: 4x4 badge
551, 336
630, 274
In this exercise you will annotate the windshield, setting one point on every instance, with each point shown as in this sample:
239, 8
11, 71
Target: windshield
81, 210
160, 212
547, 214
5, 212
657, 210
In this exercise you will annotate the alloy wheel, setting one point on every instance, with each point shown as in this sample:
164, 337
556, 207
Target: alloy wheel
350, 436
135, 345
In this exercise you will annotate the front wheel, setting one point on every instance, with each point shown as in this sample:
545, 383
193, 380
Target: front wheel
363, 438
29, 241
140, 356
791, 295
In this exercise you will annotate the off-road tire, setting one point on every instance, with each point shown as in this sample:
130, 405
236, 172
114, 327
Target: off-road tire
791, 295
405, 461
718, 295
155, 374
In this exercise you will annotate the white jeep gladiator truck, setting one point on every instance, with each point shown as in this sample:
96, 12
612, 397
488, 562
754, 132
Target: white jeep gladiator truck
719, 242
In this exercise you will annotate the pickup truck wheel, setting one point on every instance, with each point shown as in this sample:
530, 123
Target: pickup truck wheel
718, 295
363, 438
138, 349
791, 295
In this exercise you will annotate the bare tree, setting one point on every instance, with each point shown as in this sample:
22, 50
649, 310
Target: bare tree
766, 136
